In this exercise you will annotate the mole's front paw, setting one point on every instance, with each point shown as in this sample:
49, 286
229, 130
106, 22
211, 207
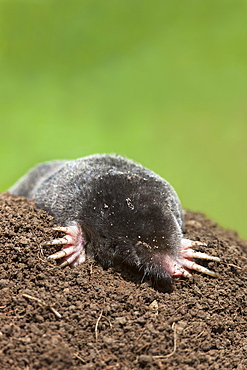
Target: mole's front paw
186, 256
73, 251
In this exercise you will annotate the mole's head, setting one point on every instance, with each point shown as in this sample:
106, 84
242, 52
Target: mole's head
133, 220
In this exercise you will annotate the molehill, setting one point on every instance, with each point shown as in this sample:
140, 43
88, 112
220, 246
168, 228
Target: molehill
91, 318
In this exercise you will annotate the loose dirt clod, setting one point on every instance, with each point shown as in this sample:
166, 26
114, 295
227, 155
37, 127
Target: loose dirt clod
108, 319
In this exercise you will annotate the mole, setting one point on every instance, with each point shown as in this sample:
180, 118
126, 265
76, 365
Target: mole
116, 211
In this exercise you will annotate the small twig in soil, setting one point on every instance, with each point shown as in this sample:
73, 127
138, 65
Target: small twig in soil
175, 345
80, 358
232, 265
96, 326
142, 348
57, 314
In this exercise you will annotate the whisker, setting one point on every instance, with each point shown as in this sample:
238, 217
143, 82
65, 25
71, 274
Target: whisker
145, 273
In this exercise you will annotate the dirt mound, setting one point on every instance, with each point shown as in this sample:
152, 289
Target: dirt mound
90, 318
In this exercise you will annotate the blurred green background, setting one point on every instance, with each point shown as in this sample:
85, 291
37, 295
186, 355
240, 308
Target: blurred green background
162, 82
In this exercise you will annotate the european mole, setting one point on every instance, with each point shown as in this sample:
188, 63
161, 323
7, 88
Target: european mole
116, 211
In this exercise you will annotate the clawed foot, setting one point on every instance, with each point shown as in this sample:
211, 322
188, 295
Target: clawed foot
185, 262
73, 251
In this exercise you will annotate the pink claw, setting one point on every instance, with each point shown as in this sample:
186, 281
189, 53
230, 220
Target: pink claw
184, 262
73, 251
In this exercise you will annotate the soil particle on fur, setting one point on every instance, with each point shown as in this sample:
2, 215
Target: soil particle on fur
91, 318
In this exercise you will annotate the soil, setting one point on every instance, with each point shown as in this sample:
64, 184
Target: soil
91, 318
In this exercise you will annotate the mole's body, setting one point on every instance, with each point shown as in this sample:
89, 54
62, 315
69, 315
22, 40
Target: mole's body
116, 210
